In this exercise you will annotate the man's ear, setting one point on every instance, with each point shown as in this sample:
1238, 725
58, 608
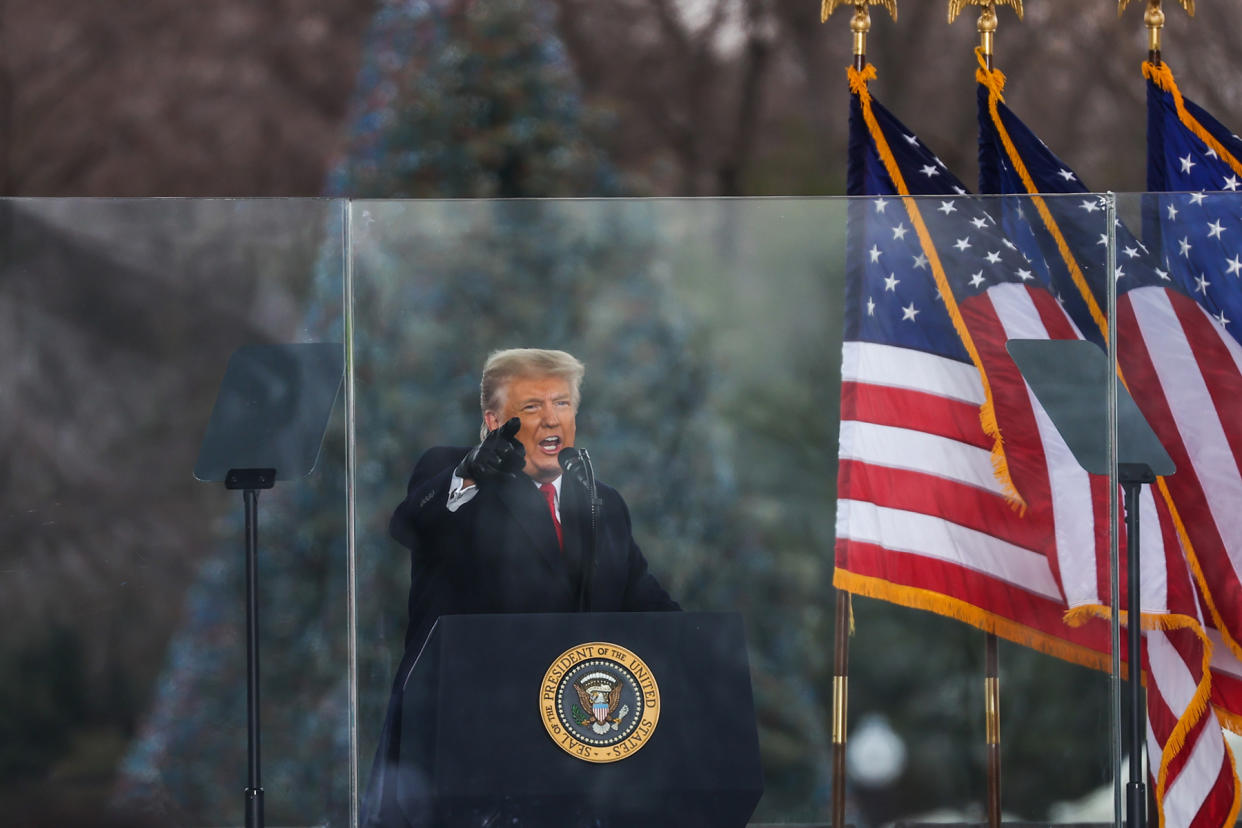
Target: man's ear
491, 420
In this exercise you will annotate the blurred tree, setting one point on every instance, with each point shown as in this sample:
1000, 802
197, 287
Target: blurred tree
165, 98
496, 115
34, 732
437, 285
690, 81
749, 96
726, 97
119, 312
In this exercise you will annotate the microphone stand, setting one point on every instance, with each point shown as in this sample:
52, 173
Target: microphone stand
577, 463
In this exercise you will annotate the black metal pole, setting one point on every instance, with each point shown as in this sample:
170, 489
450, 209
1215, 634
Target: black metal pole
1132, 476
254, 790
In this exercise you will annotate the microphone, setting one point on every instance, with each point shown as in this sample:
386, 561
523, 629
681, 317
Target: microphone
576, 463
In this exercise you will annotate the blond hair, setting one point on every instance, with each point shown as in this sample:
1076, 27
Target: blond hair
504, 366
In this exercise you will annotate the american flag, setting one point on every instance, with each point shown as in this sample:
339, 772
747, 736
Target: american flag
924, 518
1157, 326
1198, 230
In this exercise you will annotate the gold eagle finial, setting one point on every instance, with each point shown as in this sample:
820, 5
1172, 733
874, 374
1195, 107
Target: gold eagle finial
1154, 18
956, 6
827, 7
860, 24
987, 21
1188, 5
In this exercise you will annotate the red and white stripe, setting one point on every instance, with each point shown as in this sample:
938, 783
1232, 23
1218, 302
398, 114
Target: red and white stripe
920, 507
1054, 486
919, 504
1188, 758
1199, 781
1183, 371
1186, 375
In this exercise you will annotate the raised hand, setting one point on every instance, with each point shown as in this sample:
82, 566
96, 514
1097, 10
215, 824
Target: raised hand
498, 455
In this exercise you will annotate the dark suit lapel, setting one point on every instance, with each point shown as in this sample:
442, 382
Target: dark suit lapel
530, 512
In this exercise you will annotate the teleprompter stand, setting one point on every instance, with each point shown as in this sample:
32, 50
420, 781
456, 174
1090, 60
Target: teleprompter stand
1068, 377
268, 424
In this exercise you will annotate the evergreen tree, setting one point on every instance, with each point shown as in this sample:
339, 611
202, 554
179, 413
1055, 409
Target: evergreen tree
470, 99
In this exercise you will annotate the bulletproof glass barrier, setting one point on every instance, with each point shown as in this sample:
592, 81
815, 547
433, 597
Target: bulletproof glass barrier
793, 397
1178, 262
123, 577
806, 406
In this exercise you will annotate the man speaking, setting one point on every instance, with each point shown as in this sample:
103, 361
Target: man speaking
515, 524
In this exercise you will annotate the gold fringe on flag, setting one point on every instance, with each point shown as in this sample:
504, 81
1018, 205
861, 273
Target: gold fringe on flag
1162, 77
987, 412
1006, 628
1196, 571
1200, 703
994, 80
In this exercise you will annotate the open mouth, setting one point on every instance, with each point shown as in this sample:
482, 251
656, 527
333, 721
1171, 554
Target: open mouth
550, 445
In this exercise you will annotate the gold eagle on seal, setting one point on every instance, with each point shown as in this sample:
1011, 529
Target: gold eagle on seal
600, 700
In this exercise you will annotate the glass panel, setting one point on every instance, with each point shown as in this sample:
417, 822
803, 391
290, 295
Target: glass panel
1178, 306
961, 502
123, 655
713, 335
710, 334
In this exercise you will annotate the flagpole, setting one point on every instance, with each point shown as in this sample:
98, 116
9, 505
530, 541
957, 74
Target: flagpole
1139, 798
987, 33
860, 25
987, 21
1154, 18
840, 705
991, 704
986, 27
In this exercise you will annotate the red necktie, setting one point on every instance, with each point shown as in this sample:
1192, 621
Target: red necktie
549, 493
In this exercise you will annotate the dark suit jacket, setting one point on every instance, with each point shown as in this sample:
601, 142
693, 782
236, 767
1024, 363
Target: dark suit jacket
498, 553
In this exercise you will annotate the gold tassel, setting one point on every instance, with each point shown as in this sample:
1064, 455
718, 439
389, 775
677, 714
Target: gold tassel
1162, 76
1008, 629
994, 80
1197, 571
987, 412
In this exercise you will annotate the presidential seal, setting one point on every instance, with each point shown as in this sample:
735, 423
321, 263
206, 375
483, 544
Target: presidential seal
599, 702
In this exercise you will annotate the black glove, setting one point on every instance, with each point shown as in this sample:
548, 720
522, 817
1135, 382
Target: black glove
498, 455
